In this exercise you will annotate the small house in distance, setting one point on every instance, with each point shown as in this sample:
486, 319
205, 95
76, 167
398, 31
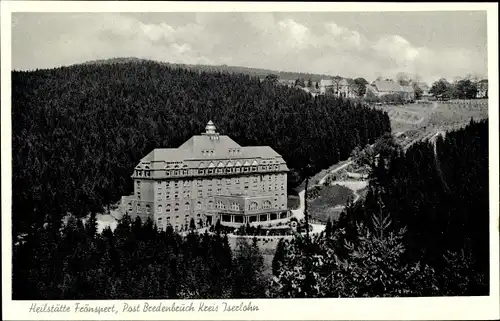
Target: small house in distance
482, 89
337, 86
381, 88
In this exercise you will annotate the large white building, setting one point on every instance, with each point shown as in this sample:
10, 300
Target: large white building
208, 178
339, 87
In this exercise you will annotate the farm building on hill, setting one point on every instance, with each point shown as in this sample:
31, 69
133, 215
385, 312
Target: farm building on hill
389, 87
340, 87
425, 89
482, 89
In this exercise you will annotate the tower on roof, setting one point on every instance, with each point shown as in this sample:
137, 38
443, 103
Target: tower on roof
210, 130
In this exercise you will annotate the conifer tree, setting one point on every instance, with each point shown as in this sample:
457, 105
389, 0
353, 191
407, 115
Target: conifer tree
278, 257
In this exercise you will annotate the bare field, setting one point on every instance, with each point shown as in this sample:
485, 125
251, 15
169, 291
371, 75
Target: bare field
436, 116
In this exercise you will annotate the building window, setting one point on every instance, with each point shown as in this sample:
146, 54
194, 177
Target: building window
168, 208
254, 168
185, 172
266, 205
159, 208
253, 206
186, 206
198, 205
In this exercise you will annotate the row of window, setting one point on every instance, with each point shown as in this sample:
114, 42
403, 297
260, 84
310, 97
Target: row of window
253, 218
208, 171
187, 218
177, 183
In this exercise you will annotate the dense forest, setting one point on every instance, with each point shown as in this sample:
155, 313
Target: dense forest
135, 261
78, 132
254, 72
423, 228
422, 231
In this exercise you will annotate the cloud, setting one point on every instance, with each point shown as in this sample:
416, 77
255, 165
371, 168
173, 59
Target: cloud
158, 32
275, 41
296, 33
397, 48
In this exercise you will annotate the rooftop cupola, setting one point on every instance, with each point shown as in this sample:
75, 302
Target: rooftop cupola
210, 130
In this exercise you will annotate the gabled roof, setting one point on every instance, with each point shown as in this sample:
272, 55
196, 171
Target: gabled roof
326, 82
343, 82
208, 150
387, 86
195, 146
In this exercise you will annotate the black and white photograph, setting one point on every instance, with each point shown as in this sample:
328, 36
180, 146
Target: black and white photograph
167, 160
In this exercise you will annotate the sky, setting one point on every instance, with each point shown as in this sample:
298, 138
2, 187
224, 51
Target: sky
431, 45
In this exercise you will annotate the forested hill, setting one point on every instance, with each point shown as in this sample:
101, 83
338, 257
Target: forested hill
254, 72
440, 194
78, 132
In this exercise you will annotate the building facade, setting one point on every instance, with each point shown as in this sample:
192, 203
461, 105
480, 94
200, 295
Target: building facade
389, 87
339, 87
482, 89
209, 178
424, 87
